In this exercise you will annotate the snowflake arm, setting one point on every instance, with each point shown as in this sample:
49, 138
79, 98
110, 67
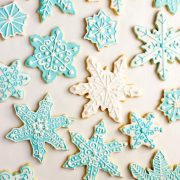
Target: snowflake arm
162, 45
11, 81
116, 6
94, 153
101, 30
26, 172
39, 128
170, 105
160, 170
46, 6
138, 172
172, 5
52, 55
141, 130
105, 89
11, 20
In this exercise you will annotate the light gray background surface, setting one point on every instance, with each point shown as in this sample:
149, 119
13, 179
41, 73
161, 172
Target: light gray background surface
134, 12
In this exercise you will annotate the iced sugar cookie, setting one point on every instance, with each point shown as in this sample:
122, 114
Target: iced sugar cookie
53, 56
170, 105
101, 30
116, 6
39, 128
94, 153
172, 5
46, 6
12, 80
106, 89
26, 173
160, 170
141, 130
162, 46
11, 20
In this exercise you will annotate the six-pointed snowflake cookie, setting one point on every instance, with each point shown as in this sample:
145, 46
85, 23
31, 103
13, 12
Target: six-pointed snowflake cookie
26, 173
160, 170
162, 46
170, 105
94, 153
172, 5
53, 56
11, 20
105, 89
39, 128
116, 6
141, 130
101, 30
46, 6
11, 81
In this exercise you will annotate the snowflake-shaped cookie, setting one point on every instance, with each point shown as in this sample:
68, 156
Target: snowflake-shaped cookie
11, 81
173, 5
105, 89
26, 173
11, 20
160, 170
170, 105
39, 127
162, 45
116, 6
101, 30
94, 153
141, 130
46, 6
53, 56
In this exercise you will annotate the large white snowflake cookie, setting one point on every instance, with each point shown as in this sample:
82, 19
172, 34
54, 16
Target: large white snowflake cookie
106, 89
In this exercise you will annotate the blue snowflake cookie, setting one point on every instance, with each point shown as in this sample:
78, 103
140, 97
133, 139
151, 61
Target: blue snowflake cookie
101, 30
11, 81
11, 20
141, 130
94, 153
53, 56
172, 5
39, 128
26, 173
161, 170
46, 6
170, 105
162, 46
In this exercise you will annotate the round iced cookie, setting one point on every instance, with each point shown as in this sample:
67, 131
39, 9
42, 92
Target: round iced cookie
141, 130
25, 173
160, 170
170, 104
11, 20
161, 46
39, 128
11, 81
94, 153
101, 30
106, 89
53, 56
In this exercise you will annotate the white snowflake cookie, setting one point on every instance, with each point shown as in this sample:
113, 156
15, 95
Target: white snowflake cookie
105, 89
